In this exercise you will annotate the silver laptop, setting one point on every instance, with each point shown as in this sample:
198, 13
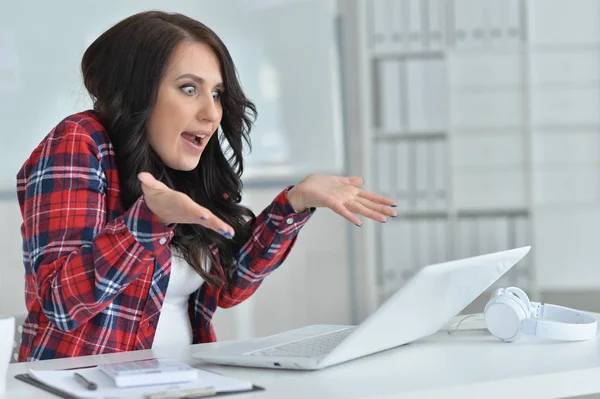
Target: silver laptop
421, 307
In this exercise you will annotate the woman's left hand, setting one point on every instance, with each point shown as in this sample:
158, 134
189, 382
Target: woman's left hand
342, 195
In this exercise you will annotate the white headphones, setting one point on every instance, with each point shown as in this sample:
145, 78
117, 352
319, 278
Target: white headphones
509, 313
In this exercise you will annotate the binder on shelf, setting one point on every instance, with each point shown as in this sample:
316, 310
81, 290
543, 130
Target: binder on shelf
480, 23
461, 24
439, 240
412, 166
399, 31
403, 172
513, 21
390, 96
424, 243
426, 95
504, 227
501, 228
415, 37
487, 234
380, 25
415, 94
383, 158
521, 231
435, 94
496, 16
422, 175
466, 242
439, 176
435, 13
469, 31
397, 253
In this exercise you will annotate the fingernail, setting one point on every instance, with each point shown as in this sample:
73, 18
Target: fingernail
394, 206
359, 225
225, 234
383, 221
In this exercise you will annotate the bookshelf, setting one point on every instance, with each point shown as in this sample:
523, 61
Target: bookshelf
448, 132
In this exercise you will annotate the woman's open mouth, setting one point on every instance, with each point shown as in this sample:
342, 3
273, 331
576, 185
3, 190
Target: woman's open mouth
195, 141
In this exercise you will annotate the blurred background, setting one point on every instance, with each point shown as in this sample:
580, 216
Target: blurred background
480, 117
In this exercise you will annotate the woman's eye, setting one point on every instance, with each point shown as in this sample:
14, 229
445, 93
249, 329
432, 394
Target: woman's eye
189, 90
216, 94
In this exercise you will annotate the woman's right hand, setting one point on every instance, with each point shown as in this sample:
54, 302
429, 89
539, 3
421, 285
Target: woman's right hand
171, 206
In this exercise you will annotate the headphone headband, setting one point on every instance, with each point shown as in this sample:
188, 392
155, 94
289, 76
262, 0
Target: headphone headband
509, 313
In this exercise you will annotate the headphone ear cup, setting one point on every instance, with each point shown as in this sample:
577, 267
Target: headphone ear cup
504, 315
522, 296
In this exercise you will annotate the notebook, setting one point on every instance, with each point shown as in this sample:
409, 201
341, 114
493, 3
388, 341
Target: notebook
64, 384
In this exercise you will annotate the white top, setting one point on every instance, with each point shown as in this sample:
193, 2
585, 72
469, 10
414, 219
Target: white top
174, 327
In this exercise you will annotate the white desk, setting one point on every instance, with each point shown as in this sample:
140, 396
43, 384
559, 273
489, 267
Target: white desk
462, 365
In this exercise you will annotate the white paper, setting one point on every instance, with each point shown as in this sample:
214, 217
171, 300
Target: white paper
65, 380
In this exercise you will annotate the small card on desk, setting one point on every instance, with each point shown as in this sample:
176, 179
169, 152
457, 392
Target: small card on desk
65, 384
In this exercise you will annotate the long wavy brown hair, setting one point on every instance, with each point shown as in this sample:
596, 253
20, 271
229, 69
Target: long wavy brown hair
122, 71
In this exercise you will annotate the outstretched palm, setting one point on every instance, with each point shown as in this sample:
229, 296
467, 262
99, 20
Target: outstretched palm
343, 195
171, 206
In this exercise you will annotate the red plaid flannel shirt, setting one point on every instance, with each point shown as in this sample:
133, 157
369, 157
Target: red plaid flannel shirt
97, 274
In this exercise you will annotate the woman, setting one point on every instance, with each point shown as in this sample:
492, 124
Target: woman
133, 231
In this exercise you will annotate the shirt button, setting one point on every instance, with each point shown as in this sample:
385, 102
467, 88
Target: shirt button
162, 240
289, 220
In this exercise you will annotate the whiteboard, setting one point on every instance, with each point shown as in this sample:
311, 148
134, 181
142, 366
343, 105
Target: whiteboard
285, 52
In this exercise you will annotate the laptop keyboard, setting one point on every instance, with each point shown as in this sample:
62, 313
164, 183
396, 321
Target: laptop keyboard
308, 347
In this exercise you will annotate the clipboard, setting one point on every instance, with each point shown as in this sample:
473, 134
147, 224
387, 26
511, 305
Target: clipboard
25, 377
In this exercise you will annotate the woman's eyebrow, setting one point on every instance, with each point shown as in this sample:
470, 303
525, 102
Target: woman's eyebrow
199, 80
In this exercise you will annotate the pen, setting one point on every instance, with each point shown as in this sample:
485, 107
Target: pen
85, 382
185, 394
